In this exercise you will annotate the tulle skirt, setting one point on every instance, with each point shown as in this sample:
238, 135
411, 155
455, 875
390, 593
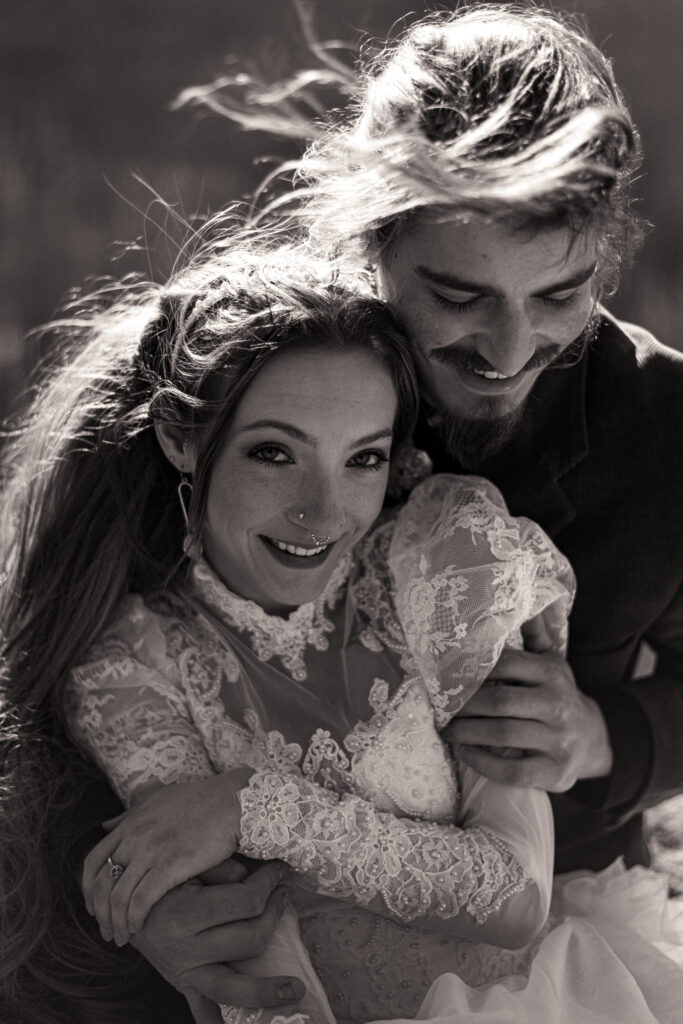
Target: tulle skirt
613, 954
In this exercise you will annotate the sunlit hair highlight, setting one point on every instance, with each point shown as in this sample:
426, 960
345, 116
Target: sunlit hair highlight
505, 112
502, 111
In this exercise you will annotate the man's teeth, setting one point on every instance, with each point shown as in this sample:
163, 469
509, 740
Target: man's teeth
292, 549
492, 374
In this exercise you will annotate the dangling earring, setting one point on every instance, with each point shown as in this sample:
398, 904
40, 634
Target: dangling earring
190, 546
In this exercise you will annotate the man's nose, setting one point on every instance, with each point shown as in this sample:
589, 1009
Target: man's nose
509, 343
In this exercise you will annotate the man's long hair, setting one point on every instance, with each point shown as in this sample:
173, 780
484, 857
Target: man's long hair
501, 111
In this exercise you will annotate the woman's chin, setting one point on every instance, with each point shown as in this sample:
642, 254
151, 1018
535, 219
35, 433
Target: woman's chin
294, 580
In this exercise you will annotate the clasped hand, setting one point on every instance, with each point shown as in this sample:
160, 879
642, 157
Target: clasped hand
530, 724
175, 834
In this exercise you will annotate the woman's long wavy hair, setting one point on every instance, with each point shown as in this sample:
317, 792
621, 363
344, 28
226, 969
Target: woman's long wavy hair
502, 111
90, 513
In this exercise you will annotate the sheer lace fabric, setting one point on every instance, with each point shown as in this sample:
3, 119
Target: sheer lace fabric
336, 710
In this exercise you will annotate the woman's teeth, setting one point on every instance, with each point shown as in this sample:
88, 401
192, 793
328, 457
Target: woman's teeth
492, 374
292, 549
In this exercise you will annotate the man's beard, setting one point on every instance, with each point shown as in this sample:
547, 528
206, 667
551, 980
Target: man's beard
472, 441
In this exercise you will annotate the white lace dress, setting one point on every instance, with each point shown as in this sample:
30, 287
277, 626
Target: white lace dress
413, 872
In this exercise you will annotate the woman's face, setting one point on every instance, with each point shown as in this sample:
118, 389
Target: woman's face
311, 434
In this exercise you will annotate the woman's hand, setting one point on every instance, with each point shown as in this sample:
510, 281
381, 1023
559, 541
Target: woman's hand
176, 833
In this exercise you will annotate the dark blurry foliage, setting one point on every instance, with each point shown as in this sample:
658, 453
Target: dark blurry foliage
86, 89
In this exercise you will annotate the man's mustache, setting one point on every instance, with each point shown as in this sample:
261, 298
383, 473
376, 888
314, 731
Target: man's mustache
464, 359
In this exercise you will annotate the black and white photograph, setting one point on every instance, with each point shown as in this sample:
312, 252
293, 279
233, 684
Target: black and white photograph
341, 463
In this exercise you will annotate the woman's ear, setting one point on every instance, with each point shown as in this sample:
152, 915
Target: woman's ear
175, 445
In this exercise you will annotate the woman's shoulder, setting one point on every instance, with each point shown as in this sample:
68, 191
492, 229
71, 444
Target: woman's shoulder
446, 491
140, 633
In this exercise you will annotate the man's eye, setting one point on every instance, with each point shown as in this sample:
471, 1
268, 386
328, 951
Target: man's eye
559, 301
453, 304
270, 454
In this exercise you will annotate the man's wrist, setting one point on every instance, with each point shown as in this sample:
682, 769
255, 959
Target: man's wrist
600, 760
632, 746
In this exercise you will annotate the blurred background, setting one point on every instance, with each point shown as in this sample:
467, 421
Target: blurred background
87, 88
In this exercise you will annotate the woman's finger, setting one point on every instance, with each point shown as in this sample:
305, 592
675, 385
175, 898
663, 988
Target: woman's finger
101, 901
93, 864
120, 898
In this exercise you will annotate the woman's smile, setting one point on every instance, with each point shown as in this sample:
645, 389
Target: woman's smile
301, 475
295, 555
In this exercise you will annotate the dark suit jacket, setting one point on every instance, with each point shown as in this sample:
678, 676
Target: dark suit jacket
598, 462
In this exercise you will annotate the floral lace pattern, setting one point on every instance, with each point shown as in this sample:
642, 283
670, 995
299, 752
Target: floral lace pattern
272, 635
464, 589
399, 761
372, 592
350, 849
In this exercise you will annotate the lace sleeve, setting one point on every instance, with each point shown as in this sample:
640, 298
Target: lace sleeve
466, 575
133, 722
348, 849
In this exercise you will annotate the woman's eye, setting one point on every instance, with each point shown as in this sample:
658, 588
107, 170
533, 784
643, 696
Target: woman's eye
369, 460
453, 304
269, 454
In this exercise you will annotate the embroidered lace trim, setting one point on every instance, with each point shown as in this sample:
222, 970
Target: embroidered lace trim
372, 592
349, 849
273, 635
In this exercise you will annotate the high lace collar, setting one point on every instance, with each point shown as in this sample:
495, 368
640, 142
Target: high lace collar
287, 637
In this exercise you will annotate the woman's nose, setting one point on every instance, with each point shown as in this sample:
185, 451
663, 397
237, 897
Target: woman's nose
320, 510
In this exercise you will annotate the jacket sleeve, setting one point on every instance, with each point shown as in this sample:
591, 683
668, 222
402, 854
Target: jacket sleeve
651, 709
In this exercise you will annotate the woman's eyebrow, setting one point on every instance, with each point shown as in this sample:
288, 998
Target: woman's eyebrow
300, 435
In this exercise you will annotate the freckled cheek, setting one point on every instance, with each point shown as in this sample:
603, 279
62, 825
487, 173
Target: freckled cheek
363, 509
236, 509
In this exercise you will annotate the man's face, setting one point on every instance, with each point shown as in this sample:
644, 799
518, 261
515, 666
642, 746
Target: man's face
487, 309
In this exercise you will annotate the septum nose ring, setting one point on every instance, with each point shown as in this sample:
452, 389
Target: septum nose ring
320, 540
314, 538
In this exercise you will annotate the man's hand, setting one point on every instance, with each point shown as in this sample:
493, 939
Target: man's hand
548, 733
195, 931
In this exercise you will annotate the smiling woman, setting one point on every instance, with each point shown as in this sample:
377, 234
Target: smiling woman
301, 474
146, 444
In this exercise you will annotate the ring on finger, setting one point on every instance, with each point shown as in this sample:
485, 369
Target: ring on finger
115, 870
